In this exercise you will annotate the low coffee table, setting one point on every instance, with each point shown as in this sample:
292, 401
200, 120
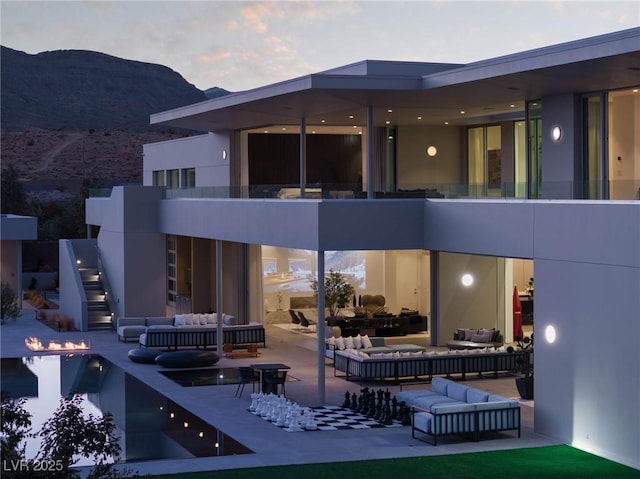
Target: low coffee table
406, 348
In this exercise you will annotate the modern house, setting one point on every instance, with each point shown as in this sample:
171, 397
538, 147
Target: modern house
406, 176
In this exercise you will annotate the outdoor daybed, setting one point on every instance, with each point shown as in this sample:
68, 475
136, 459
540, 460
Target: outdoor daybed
449, 408
188, 330
397, 365
476, 339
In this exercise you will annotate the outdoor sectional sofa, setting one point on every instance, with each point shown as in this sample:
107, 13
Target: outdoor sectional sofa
188, 330
361, 366
450, 408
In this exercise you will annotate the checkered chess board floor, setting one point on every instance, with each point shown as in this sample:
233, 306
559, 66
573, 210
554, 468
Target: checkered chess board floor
333, 418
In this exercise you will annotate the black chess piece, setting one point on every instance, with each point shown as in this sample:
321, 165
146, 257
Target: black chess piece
405, 414
354, 401
394, 408
347, 400
379, 405
366, 403
386, 415
372, 405
364, 393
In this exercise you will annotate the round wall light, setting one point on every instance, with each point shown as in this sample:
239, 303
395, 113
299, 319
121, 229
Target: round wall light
432, 150
467, 280
224, 154
550, 334
556, 133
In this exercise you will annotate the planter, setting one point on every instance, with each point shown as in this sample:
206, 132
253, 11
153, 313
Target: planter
525, 387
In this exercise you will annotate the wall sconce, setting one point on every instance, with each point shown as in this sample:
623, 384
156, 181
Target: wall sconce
431, 150
224, 155
556, 133
550, 334
467, 280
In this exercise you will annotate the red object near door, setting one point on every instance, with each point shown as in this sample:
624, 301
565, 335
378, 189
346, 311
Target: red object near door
517, 314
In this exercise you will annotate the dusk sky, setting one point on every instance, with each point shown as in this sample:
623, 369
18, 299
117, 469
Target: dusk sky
239, 45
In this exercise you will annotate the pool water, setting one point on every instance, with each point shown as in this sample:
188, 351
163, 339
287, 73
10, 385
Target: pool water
207, 377
149, 424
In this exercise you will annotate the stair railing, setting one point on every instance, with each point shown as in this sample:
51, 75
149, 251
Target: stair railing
110, 297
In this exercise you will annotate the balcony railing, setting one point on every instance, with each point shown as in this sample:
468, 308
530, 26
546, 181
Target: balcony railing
616, 190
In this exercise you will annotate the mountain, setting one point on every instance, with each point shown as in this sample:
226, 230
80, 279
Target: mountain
80, 90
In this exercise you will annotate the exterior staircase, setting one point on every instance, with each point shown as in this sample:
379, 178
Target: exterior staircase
99, 313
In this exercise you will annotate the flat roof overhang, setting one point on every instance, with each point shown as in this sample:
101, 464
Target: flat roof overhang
606, 62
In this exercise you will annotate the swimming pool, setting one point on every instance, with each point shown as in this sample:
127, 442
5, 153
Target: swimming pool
149, 424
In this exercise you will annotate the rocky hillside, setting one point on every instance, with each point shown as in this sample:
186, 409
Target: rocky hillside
74, 114
76, 89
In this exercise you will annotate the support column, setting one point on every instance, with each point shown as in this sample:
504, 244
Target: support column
370, 187
219, 323
320, 328
303, 156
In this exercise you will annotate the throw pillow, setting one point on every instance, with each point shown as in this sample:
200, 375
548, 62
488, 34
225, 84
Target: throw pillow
212, 318
331, 341
188, 319
340, 343
357, 342
179, 320
468, 333
348, 342
366, 342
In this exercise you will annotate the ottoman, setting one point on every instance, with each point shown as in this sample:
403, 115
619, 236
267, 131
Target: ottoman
142, 355
190, 358
406, 348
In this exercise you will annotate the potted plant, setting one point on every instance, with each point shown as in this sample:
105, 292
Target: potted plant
9, 308
524, 383
338, 292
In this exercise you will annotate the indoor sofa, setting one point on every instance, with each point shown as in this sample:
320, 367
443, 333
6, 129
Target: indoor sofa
450, 408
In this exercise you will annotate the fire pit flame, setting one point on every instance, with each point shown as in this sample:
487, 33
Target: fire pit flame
35, 344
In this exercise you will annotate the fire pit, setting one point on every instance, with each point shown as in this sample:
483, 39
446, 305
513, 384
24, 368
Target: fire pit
35, 344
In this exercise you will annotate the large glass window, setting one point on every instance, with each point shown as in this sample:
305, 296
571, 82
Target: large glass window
624, 143
534, 135
188, 178
520, 157
402, 277
158, 178
173, 178
484, 153
172, 284
594, 168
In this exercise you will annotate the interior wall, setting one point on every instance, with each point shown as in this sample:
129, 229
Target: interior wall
522, 272
476, 306
415, 169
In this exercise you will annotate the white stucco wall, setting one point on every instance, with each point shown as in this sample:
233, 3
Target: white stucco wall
205, 153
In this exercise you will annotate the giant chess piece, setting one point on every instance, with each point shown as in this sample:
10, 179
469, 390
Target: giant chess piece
405, 414
360, 403
366, 403
386, 414
354, 402
394, 408
379, 407
347, 400
372, 405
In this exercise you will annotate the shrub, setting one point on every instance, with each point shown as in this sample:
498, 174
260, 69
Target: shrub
9, 308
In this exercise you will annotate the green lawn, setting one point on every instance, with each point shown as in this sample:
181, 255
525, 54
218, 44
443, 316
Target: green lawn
536, 463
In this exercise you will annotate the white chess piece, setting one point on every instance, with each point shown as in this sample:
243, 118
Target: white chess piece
294, 426
310, 423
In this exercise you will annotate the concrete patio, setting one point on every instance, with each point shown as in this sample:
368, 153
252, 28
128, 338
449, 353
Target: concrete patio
218, 405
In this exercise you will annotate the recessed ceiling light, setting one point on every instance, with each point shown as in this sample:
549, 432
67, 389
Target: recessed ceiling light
355, 126
313, 131
419, 118
387, 122
322, 121
635, 90
351, 117
462, 112
284, 129
266, 131
512, 106
389, 110
446, 122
